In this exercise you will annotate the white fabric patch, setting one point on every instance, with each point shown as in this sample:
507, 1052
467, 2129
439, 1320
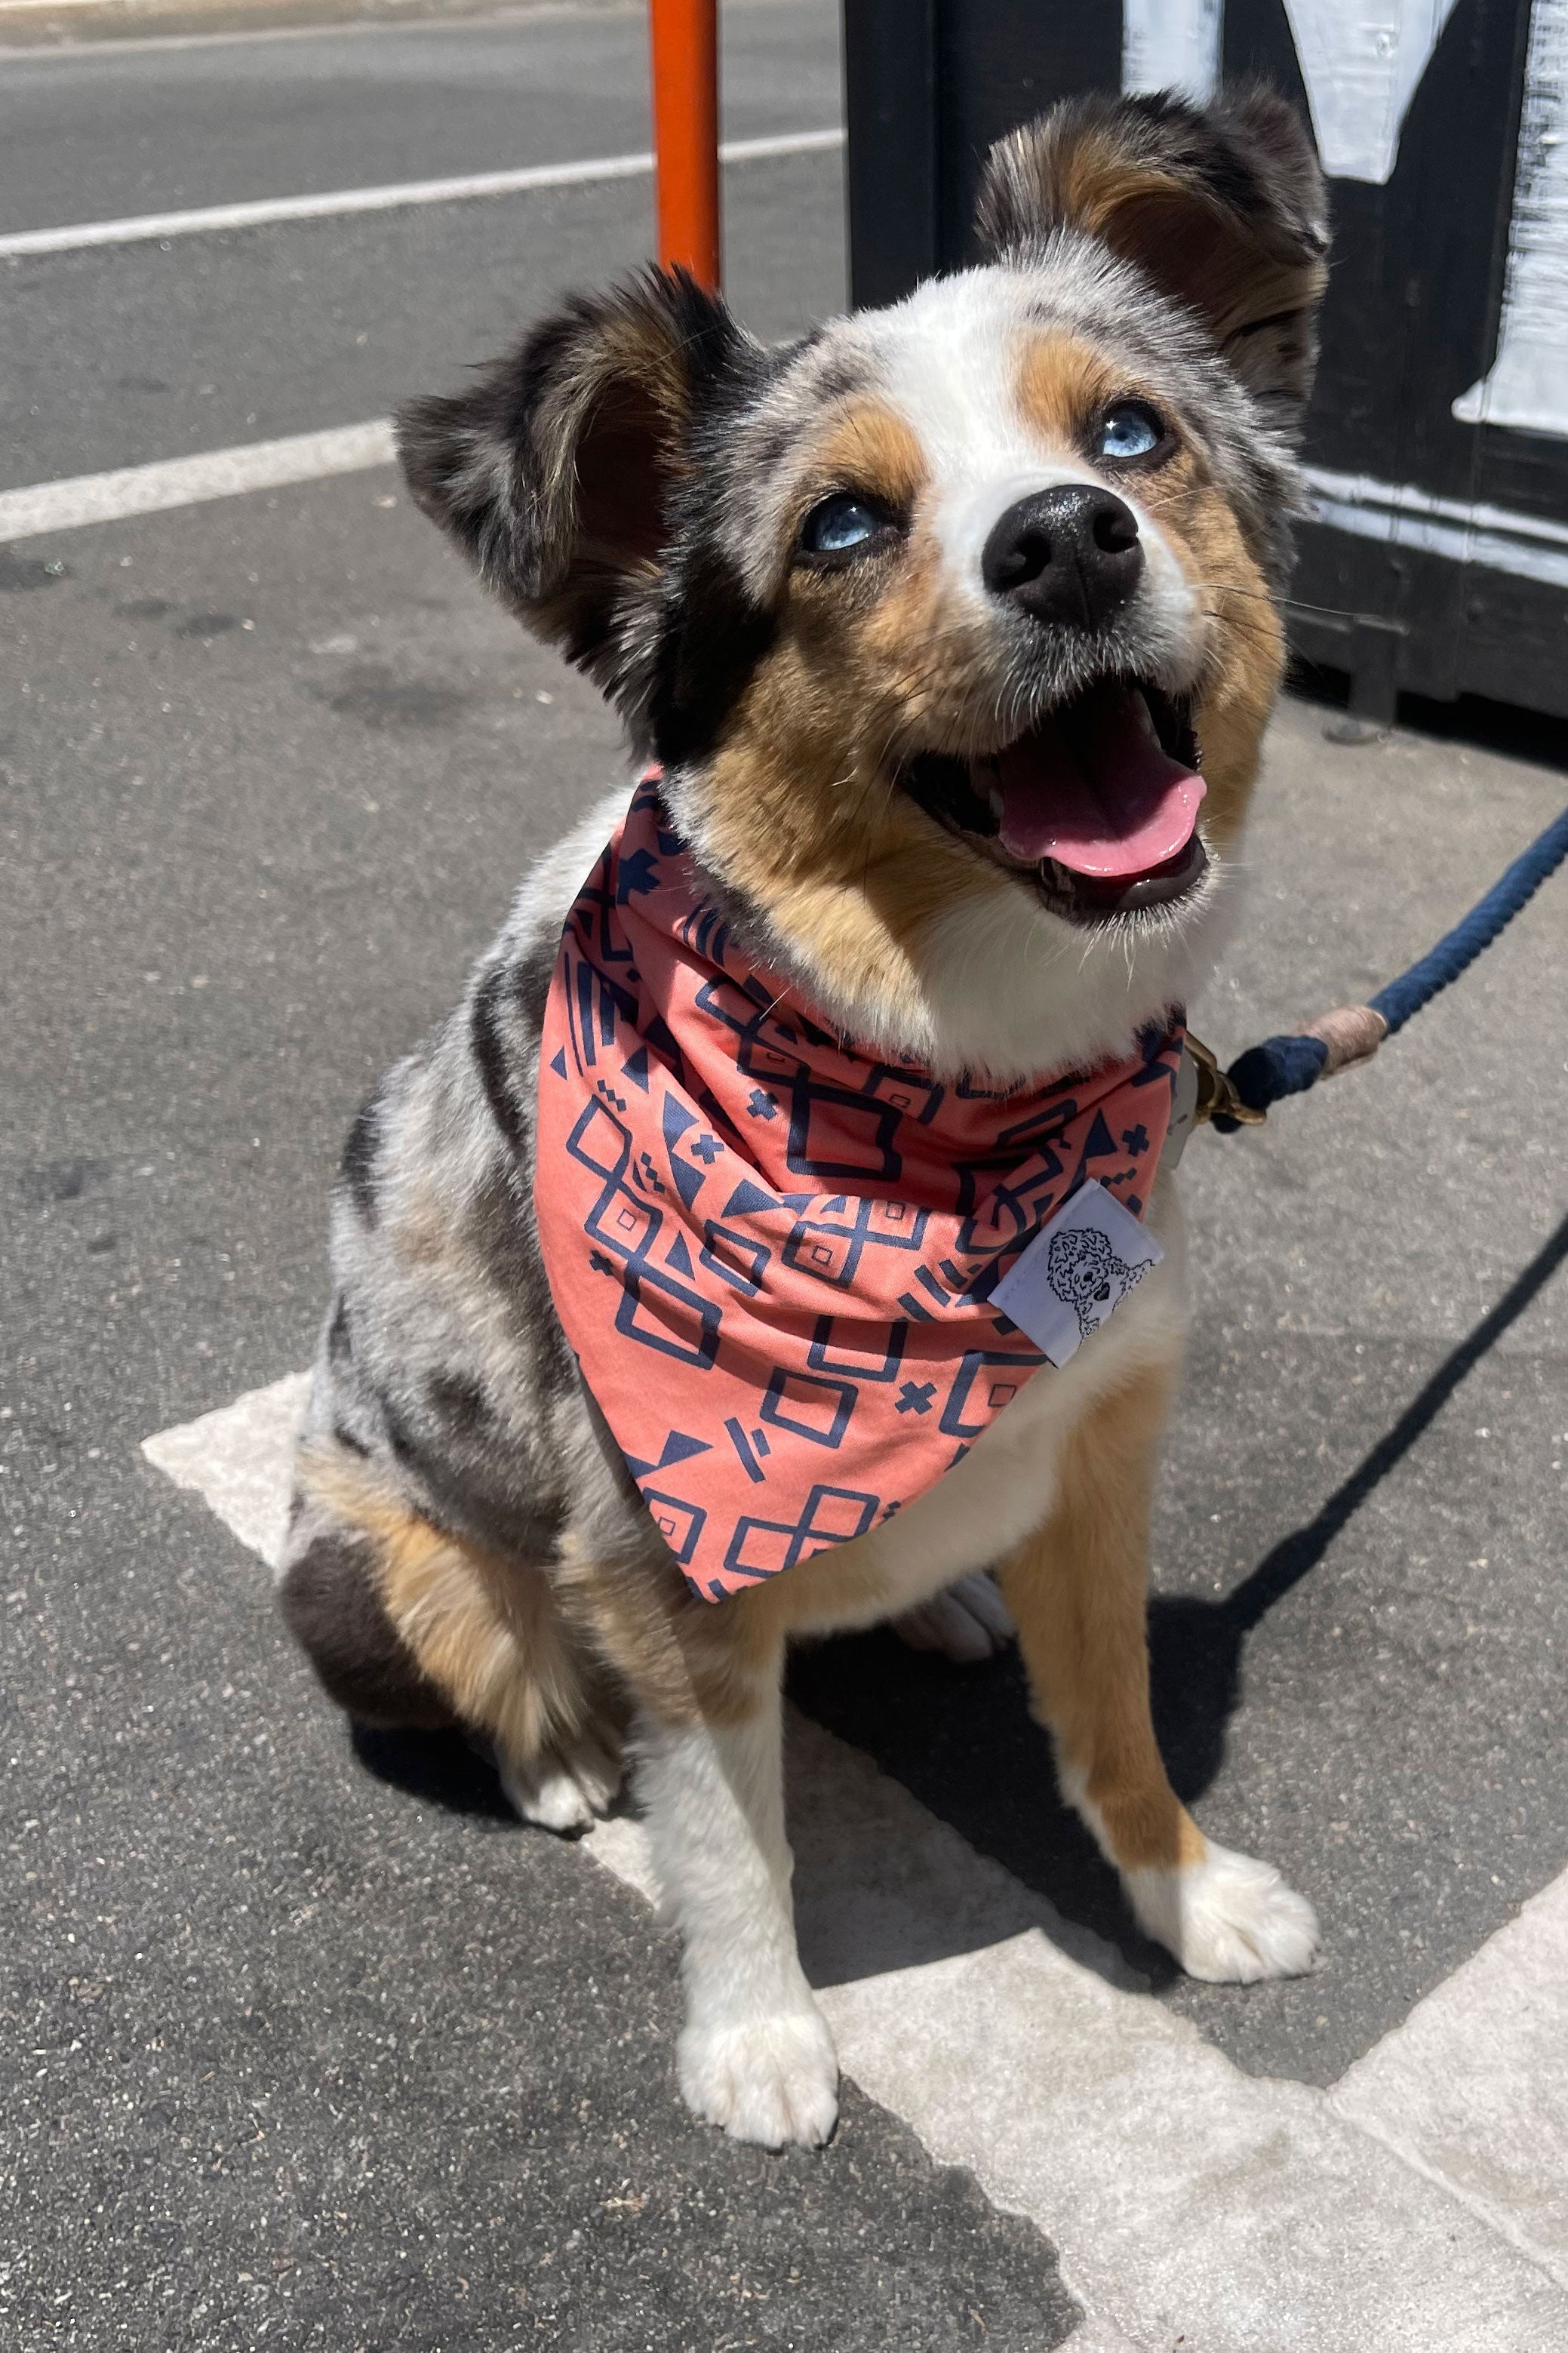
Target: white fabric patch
1076, 1271
1363, 61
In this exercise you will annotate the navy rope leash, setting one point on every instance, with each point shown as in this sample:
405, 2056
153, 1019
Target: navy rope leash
1289, 1066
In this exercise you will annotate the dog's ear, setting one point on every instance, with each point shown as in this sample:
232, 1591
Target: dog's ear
1223, 207
553, 473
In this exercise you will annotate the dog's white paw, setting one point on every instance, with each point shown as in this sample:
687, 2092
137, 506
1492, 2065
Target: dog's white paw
565, 1790
1230, 1919
967, 1623
773, 2081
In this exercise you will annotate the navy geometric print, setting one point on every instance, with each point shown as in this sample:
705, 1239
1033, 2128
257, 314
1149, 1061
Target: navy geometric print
769, 1246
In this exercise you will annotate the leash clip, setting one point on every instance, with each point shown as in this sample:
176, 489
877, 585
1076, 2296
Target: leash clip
1217, 1096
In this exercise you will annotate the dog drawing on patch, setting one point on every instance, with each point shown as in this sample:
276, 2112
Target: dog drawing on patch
944, 638
1086, 1274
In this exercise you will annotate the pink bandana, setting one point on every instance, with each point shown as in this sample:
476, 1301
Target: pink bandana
771, 1251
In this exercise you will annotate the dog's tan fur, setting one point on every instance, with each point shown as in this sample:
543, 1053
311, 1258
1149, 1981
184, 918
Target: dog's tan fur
801, 808
1077, 1590
1256, 276
484, 1629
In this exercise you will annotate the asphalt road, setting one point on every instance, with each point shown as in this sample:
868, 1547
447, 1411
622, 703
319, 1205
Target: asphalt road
91, 135
313, 2050
119, 355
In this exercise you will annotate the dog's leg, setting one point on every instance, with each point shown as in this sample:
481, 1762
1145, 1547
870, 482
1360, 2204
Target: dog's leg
408, 1626
1078, 1588
330, 1592
754, 2055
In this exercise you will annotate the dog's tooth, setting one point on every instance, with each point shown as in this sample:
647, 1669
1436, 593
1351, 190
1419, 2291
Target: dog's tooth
994, 796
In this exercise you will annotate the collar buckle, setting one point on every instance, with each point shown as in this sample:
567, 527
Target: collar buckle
1216, 1091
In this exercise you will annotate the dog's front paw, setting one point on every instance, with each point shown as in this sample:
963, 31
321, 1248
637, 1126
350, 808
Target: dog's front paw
773, 2081
566, 1789
1229, 1919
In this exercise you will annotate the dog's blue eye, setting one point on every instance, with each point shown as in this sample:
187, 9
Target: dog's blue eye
1131, 429
838, 526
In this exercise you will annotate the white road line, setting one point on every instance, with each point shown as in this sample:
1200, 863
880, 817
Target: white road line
503, 17
185, 482
1471, 2087
238, 1459
1187, 2197
67, 504
142, 228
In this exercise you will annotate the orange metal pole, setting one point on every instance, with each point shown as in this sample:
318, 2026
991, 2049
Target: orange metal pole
684, 36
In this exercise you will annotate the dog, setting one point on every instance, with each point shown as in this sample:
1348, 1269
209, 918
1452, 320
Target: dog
946, 638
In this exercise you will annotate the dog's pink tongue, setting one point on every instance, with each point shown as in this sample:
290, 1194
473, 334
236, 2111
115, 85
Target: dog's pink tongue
1106, 801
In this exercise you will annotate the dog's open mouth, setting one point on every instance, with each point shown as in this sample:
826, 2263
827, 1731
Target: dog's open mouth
1098, 804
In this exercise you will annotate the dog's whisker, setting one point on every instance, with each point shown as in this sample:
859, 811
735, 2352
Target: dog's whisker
1281, 603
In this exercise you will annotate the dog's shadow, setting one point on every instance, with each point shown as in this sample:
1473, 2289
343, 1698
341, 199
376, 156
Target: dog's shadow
439, 1768
961, 1741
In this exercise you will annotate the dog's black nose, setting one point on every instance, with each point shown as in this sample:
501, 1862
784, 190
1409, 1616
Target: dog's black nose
1071, 555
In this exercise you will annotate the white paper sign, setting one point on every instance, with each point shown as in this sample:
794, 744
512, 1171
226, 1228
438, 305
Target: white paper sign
1077, 1271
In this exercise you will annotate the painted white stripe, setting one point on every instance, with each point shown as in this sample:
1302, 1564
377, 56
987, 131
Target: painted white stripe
1473, 2088
1189, 2200
238, 1459
502, 16
185, 482
304, 457
1500, 538
142, 228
